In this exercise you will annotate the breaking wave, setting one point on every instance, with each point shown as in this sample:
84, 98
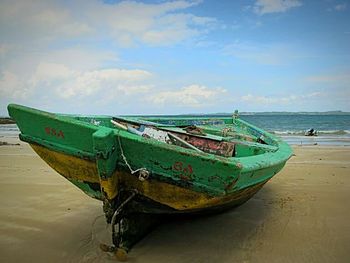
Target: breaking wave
322, 132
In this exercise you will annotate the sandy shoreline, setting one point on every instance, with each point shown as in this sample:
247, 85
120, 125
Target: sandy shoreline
301, 215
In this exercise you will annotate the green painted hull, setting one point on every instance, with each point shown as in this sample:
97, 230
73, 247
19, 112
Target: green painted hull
105, 160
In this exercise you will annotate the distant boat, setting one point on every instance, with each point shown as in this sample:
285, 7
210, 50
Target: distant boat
145, 166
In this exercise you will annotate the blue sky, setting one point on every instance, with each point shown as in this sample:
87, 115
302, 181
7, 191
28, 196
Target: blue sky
173, 57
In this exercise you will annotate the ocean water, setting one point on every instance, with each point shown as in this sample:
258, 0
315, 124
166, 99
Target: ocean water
8, 130
332, 129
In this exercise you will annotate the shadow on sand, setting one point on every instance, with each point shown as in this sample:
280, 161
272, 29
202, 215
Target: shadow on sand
225, 237
210, 238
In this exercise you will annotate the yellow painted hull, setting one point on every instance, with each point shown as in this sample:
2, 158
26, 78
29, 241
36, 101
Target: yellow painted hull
178, 198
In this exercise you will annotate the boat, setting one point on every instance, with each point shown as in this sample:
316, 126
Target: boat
142, 167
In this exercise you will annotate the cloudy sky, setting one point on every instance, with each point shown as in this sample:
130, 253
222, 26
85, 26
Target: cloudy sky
173, 57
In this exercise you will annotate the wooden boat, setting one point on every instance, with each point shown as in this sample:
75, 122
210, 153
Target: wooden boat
142, 166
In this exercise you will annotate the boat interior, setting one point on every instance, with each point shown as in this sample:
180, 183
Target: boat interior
225, 137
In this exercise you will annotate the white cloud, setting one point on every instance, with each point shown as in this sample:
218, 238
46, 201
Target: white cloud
113, 82
68, 83
266, 100
79, 58
337, 78
53, 84
173, 28
313, 95
4, 49
63, 83
38, 21
51, 72
126, 23
62, 51
11, 86
261, 54
335, 87
191, 96
262, 7
340, 7
153, 24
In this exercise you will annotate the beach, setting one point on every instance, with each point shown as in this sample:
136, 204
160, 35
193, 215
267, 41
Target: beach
301, 215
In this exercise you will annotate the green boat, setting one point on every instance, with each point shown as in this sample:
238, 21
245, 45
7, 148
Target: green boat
144, 167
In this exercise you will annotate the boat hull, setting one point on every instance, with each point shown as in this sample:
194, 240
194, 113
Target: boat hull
154, 196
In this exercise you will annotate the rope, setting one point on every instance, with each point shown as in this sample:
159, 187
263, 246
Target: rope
142, 170
93, 235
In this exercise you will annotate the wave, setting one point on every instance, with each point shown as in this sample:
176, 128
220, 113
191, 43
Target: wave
302, 132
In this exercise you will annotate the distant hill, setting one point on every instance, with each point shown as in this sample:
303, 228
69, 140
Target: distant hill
6, 120
270, 113
296, 113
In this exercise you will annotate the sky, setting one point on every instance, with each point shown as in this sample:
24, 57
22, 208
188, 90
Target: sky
174, 57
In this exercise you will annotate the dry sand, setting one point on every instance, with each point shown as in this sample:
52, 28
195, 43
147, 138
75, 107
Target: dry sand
301, 215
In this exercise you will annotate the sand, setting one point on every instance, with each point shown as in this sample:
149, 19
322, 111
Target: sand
301, 215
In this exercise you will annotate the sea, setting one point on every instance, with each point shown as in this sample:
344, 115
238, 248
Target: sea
331, 129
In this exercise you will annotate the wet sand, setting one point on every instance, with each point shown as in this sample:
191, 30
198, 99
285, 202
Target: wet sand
301, 215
